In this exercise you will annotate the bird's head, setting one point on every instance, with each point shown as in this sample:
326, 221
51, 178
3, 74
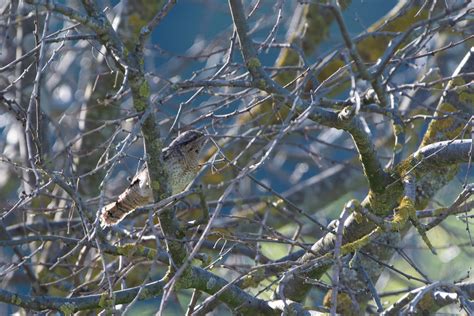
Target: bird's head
189, 143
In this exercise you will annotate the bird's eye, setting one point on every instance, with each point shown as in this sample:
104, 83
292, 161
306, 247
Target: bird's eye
196, 151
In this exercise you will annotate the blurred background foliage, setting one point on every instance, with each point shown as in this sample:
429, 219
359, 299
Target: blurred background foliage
315, 168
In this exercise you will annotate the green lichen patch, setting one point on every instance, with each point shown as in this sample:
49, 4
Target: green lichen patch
130, 250
261, 84
67, 309
253, 64
106, 301
253, 279
383, 203
141, 96
359, 243
439, 211
16, 300
127, 250
398, 129
403, 213
144, 89
466, 96
145, 294
344, 303
443, 129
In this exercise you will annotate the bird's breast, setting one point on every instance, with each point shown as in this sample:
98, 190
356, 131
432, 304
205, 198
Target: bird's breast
181, 171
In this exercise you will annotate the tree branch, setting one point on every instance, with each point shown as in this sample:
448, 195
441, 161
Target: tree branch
196, 278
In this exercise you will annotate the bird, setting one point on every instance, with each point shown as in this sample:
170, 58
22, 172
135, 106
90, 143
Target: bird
181, 160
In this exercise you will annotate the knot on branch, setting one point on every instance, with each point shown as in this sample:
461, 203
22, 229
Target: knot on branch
346, 113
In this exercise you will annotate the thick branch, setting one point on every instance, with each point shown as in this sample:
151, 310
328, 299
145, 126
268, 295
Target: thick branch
197, 278
430, 298
452, 119
373, 170
354, 229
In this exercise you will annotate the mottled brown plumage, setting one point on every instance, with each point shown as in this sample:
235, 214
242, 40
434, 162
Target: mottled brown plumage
181, 159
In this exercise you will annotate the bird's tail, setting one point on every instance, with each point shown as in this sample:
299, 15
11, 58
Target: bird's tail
137, 194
